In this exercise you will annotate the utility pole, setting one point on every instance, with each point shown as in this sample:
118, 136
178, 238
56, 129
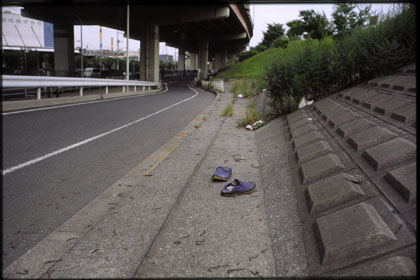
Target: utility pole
127, 68
118, 52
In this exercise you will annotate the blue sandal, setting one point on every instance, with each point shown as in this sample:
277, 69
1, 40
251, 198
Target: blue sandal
222, 174
237, 187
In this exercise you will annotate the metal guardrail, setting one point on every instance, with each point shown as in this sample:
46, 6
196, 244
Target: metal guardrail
12, 81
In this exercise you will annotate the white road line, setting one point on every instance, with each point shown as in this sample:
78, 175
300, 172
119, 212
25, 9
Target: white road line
76, 104
57, 152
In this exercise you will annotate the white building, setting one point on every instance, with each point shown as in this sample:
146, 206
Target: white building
19, 32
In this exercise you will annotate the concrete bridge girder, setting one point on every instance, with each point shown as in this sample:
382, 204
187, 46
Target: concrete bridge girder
197, 29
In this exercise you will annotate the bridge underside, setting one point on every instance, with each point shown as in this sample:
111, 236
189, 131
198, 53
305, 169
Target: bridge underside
206, 32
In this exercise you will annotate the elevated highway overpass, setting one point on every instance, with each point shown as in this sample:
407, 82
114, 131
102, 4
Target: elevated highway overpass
207, 32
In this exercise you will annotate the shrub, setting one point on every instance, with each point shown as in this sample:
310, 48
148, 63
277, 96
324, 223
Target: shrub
321, 68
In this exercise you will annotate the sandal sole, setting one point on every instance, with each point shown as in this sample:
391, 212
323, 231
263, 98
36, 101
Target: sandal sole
235, 194
217, 178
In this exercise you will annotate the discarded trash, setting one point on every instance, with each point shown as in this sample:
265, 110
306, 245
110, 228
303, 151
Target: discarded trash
256, 125
249, 127
354, 178
240, 95
302, 103
305, 101
237, 187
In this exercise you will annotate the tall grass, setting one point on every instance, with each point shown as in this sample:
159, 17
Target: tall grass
247, 87
324, 67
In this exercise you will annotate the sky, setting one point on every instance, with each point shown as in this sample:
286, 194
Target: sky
261, 14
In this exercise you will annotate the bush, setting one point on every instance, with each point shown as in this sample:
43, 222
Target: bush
321, 68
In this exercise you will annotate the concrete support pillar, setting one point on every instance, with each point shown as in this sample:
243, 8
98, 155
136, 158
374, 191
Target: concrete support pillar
193, 61
149, 53
220, 60
63, 49
232, 59
181, 59
224, 58
203, 56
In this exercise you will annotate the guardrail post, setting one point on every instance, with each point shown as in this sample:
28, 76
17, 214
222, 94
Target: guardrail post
38, 93
123, 89
135, 88
144, 88
149, 88
81, 91
106, 90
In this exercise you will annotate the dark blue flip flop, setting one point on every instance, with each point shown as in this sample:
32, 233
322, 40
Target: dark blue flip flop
222, 174
237, 187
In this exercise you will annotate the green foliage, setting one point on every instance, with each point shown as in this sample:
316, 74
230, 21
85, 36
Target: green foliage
280, 42
324, 67
346, 19
315, 25
246, 87
228, 111
273, 32
251, 115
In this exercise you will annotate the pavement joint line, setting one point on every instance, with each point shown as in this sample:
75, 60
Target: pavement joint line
105, 213
62, 150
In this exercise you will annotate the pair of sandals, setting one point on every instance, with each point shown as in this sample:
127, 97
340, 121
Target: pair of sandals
235, 187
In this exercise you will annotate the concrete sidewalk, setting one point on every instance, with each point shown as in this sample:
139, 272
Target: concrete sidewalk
166, 217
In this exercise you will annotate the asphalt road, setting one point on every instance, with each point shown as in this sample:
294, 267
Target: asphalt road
41, 195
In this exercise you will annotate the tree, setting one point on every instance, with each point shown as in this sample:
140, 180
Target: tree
296, 29
315, 25
273, 32
280, 42
311, 25
345, 18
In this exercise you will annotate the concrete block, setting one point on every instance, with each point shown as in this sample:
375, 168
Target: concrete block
302, 130
375, 100
320, 167
390, 153
342, 118
312, 151
352, 230
353, 127
325, 104
397, 266
393, 104
370, 137
296, 116
295, 125
405, 115
306, 139
403, 180
360, 97
331, 192
354, 91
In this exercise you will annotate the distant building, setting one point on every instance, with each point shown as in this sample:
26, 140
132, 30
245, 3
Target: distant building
20, 32
166, 58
